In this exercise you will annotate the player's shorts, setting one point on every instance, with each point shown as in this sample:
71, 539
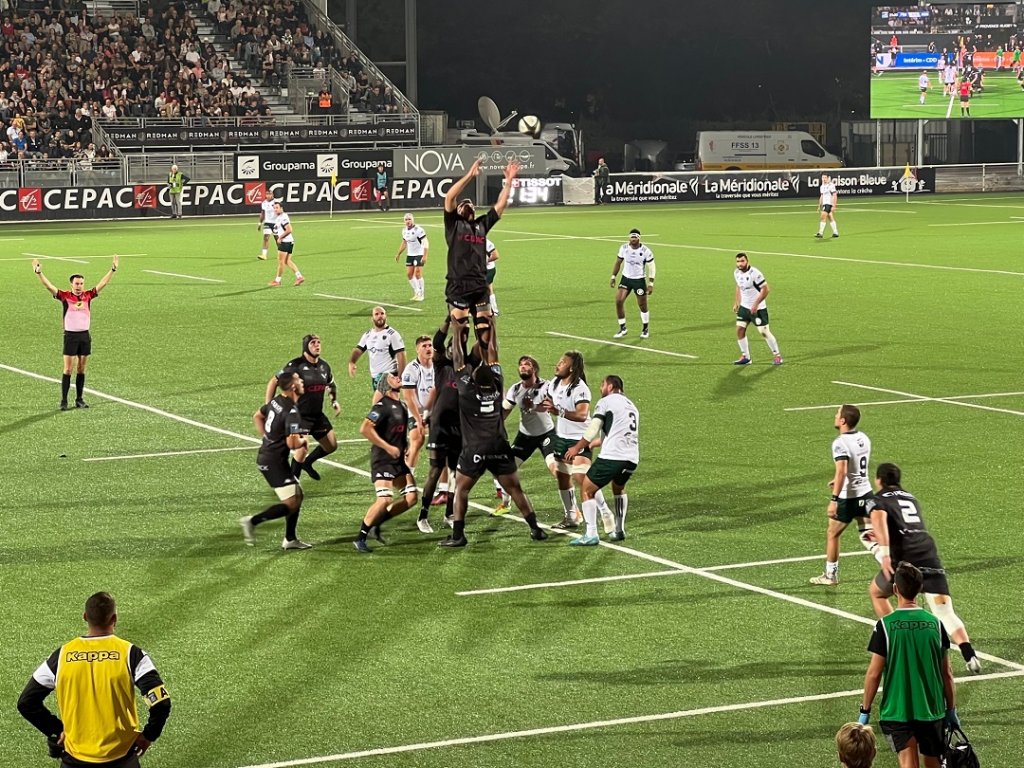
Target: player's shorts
935, 581
77, 343
924, 89
444, 448
559, 445
268, 228
637, 285
318, 425
930, 735
285, 247
389, 469
849, 509
491, 272
279, 477
414, 261
497, 459
744, 317
616, 471
380, 192
472, 297
524, 445
964, 99
826, 208
375, 378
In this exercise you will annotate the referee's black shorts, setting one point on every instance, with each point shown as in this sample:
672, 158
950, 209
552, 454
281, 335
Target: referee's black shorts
77, 343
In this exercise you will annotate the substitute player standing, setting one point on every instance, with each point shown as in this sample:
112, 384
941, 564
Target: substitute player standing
285, 246
750, 306
77, 304
268, 224
417, 249
827, 205
637, 263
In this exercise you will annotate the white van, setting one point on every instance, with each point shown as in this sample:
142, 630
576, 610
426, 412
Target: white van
732, 151
554, 162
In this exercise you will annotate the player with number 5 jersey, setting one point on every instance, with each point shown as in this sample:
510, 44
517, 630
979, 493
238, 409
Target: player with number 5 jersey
851, 490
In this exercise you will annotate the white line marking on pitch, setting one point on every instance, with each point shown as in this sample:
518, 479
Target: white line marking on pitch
906, 400
976, 224
951, 401
367, 301
780, 561
169, 453
55, 258
571, 583
596, 724
618, 344
187, 277
845, 210
816, 257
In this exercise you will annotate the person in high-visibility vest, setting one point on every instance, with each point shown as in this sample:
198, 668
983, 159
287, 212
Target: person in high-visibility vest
325, 100
176, 180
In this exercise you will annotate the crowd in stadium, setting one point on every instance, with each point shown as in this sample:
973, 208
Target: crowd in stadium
60, 69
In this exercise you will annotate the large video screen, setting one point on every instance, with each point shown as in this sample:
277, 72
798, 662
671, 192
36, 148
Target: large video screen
947, 61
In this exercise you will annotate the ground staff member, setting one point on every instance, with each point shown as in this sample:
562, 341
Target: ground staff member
176, 181
93, 676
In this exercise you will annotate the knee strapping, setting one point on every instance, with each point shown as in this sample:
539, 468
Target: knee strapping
944, 612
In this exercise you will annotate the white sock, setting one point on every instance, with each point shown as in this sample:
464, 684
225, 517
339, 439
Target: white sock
645, 317
835, 229
621, 504
264, 252
590, 516
601, 503
568, 500
744, 347
821, 227
298, 275
622, 323
277, 279
494, 303
419, 283
441, 488
832, 569
773, 345
415, 287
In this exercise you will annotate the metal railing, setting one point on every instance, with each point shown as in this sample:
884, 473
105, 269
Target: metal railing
169, 123
304, 84
152, 167
62, 172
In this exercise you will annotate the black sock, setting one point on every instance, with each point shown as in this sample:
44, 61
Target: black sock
458, 529
65, 385
449, 508
296, 468
79, 385
318, 453
531, 520
967, 651
291, 520
270, 513
364, 531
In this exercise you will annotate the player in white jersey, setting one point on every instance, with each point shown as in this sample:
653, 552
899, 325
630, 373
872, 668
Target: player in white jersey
536, 428
923, 84
851, 489
637, 262
417, 249
750, 306
949, 80
386, 348
492, 272
827, 205
285, 246
268, 222
617, 422
417, 386
568, 395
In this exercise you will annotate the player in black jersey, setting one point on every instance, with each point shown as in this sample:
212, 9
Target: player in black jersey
445, 435
484, 441
902, 537
317, 378
386, 426
280, 424
466, 291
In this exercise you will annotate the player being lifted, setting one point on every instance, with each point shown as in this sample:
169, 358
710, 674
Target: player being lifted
637, 263
749, 307
827, 205
466, 234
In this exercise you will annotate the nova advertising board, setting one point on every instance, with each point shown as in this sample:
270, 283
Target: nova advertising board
427, 162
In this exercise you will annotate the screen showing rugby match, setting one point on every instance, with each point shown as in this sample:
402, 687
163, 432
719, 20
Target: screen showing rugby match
947, 61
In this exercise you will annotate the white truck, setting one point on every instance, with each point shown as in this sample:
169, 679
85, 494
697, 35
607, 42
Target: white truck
770, 150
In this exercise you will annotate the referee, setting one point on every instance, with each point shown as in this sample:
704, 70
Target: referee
93, 676
77, 304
